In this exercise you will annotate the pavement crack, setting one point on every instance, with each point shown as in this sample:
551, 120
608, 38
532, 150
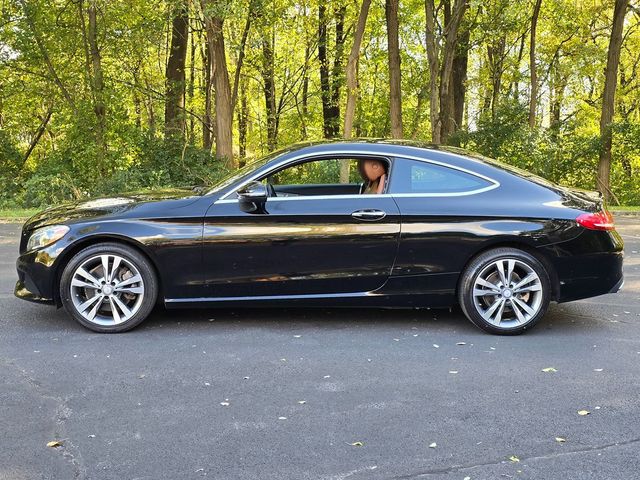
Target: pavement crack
69, 450
458, 468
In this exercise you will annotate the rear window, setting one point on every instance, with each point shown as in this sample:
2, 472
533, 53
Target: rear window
411, 176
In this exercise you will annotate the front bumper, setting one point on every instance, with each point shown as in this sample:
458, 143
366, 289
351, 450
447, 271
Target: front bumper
36, 277
23, 292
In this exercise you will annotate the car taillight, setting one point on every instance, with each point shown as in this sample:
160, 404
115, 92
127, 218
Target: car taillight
596, 221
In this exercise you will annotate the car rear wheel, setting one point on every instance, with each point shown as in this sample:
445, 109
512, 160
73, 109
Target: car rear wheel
504, 291
108, 287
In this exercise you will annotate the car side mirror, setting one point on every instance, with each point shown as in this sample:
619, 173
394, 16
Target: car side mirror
252, 197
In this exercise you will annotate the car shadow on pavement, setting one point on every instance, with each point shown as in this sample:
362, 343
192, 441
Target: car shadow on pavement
567, 317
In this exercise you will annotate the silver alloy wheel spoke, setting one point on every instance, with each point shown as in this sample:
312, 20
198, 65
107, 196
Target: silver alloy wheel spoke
136, 290
114, 268
83, 273
126, 313
507, 293
491, 286
107, 289
91, 315
519, 315
497, 306
528, 279
500, 268
83, 306
135, 279
76, 282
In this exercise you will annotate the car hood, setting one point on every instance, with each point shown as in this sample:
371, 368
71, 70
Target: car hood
119, 205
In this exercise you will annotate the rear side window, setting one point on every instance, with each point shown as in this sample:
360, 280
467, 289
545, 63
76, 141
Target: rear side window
412, 176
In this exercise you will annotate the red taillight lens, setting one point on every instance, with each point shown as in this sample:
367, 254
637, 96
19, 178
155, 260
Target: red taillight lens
596, 221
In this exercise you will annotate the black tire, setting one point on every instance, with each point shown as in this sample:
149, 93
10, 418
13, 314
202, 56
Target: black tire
485, 267
131, 264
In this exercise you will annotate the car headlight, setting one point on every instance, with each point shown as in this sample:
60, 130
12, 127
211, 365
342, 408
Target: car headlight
46, 236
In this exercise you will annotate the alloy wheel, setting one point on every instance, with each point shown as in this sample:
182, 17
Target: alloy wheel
107, 289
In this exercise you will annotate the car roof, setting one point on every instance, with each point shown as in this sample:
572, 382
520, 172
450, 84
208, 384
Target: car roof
391, 147
454, 156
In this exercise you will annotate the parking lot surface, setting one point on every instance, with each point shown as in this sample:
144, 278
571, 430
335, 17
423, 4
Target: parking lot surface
322, 394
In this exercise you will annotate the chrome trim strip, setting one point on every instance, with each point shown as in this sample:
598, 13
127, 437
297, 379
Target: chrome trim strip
495, 183
272, 297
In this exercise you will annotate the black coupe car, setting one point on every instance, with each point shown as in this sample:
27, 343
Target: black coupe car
302, 227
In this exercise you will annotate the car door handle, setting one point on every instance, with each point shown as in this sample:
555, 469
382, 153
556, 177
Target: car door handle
369, 214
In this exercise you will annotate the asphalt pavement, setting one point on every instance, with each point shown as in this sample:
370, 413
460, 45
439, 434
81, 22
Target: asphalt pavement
323, 394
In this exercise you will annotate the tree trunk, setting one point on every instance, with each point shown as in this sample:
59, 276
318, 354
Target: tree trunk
459, 77
175, 75
351, 70
207, 127
496, 55
241, 53
434, 70
98, 84
451, 38
222, 87
395, 89
305, 92
38, 134
243, 120
191, 85
533, 98
325, 87
608, 98
269, 88
337, 74
352, 81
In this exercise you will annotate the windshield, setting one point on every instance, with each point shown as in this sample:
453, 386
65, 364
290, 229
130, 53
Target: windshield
237, 174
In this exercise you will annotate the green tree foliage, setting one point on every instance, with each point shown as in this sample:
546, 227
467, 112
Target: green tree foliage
83, 88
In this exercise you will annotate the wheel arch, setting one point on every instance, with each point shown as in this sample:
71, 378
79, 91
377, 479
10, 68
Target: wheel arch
524, 246
89, 241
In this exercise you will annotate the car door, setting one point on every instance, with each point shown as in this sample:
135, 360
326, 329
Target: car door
300, 245
442, 219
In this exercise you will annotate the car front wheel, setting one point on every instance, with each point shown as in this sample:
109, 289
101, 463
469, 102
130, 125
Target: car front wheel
504, 291
108, 287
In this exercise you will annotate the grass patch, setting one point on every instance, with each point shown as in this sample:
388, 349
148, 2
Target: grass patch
625, 208
17, 214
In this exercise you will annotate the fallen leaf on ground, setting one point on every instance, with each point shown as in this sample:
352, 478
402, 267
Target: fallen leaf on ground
433, 445
549, 369
54, 444
514, 459
583, 412
356, 444
560, 439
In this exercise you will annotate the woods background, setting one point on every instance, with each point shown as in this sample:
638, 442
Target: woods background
99, 97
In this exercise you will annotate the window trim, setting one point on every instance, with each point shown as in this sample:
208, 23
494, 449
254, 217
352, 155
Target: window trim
355, 154
493, 183
338, 156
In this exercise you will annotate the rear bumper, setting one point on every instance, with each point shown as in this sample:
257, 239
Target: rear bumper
587, 266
